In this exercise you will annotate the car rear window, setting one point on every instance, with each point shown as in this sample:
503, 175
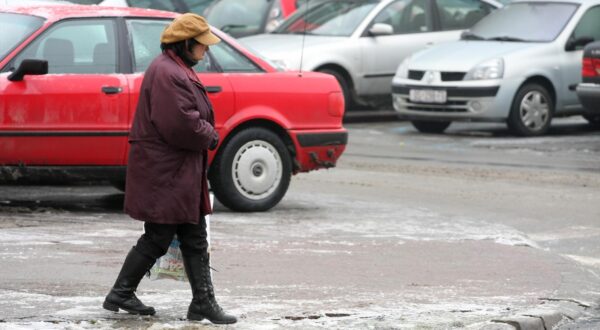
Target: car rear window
15, 29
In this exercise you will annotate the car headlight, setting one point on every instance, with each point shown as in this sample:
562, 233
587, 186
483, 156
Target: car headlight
402, 71
491, 69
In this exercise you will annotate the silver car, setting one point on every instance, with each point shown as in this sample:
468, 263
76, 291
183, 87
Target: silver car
361, 42
518, 65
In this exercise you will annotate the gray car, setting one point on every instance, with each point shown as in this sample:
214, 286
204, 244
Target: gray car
361, 42
518, 65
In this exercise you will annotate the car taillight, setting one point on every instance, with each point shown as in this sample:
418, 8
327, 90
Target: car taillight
336, 104
591, 67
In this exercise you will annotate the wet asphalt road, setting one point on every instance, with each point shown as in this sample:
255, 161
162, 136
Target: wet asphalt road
409, 231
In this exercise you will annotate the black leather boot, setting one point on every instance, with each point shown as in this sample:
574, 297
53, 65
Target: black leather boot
204, 305
122, 294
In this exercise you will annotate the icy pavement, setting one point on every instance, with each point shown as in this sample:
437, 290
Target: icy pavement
359, 265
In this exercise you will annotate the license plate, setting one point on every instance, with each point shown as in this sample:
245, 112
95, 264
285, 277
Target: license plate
427, 95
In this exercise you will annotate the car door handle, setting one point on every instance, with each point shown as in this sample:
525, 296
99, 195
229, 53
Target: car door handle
111, 90
213, 89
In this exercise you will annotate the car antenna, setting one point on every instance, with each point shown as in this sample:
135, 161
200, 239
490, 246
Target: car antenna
303, 38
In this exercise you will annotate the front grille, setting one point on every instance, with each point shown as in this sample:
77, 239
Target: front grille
445, 76
453, 76
415, 75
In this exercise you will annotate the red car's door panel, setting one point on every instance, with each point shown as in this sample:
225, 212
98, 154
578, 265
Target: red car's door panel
64, 119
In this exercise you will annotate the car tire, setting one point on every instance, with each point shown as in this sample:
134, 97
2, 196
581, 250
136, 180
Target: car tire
593, 120
531, 112
434, 127
252, 171
344, 85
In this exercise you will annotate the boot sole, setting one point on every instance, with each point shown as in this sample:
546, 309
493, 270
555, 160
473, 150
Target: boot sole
115, 308
200, 317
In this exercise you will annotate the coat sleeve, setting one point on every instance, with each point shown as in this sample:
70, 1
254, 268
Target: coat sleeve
174, 114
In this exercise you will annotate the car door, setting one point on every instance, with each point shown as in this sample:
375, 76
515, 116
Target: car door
144, 38
412, 25
588, 26
77, 113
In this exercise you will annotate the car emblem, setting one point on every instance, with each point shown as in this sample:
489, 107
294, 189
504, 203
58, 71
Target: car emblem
431, 76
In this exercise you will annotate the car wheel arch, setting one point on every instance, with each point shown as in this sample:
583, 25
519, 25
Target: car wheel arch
545, 82
340, 69
268, 124
353, 96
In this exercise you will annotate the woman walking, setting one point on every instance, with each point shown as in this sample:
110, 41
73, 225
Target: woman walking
167, 185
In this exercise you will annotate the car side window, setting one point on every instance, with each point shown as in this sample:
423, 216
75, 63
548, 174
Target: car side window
144, 35
230, 60
76, 46
406, 16
461, 14
589, 25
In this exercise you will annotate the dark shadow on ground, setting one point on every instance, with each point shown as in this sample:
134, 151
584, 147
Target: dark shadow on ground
30, 198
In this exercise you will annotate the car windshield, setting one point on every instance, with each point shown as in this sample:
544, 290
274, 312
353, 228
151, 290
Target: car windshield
15, 28
236, 14
331, 18
525, 21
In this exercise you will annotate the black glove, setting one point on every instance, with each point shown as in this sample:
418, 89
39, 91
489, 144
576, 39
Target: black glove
214, 142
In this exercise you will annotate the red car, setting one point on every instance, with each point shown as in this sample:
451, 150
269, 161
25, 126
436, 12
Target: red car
69, 85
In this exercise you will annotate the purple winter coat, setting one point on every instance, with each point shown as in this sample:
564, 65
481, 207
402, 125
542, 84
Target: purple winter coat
172, 130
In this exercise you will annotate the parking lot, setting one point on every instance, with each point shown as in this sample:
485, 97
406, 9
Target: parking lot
410, 230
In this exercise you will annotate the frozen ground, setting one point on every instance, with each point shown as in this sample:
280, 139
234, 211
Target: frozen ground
417, 232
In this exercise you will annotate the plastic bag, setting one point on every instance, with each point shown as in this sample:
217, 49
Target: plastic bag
170, 266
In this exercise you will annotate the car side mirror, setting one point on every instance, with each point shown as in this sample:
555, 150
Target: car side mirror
573, 43
33, 67
381, 29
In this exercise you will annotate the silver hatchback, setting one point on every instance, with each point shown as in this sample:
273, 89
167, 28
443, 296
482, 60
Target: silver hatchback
518, 65
361, 42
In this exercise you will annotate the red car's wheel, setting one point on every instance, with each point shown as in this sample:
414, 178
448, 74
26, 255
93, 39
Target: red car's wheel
252, 171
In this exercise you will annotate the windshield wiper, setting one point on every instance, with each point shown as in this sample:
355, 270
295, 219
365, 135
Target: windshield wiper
467, 35
228, 27
506, 38
301, 32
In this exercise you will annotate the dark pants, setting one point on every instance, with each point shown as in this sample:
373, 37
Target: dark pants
157, 237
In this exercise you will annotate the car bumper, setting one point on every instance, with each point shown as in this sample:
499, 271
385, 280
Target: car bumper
316, 149
468, 100
589, 96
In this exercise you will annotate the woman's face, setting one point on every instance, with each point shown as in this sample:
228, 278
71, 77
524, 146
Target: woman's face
198, 52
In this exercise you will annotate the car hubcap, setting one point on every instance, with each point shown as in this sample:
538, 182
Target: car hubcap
257, 169
534, 110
